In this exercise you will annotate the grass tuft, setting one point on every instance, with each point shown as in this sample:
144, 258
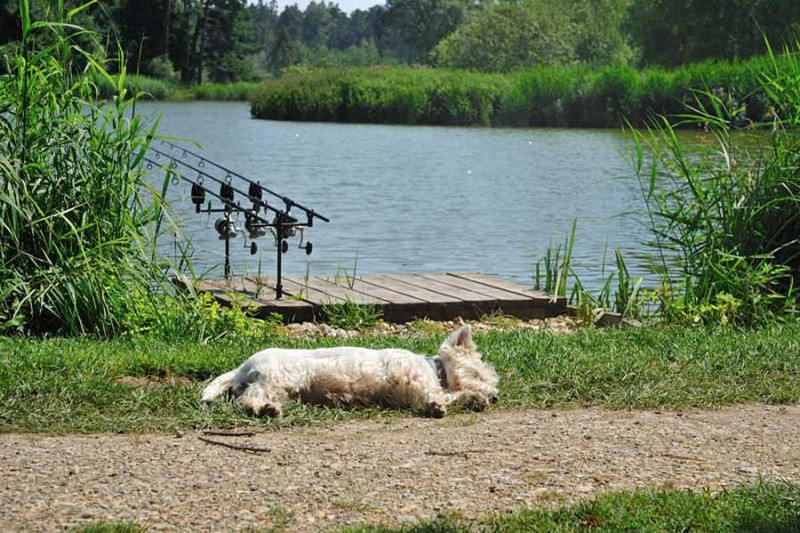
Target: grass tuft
763, 508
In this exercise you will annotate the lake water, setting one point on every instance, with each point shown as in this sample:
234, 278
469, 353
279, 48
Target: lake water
419, 198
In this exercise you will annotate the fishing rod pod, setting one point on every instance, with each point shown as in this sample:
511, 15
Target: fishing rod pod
283, 226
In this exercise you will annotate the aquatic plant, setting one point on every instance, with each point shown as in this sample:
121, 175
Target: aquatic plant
546, 96
620, 292
730, 215
77, 219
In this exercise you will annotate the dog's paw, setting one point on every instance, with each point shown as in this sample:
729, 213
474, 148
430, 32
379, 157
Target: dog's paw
475, 402
270, 410
436, 410
260, 411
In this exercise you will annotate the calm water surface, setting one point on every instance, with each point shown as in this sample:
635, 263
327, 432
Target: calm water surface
420, 199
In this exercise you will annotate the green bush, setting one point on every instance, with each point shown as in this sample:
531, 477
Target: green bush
545, 96
78, 221
727, 221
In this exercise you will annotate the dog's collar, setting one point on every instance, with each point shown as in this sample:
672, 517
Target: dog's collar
441, 372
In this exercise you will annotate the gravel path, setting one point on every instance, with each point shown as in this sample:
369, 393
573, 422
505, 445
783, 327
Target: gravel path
394, 472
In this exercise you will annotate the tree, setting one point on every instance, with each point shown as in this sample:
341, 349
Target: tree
142, 25
291, 20
672, 32
409, 29
222, 46
9, 22
316, 25
602, 34
285, 52
508, 36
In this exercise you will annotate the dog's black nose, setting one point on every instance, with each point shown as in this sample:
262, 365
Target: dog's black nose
494, 399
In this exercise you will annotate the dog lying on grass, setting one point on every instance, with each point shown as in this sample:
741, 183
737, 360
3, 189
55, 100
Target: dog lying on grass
361, 376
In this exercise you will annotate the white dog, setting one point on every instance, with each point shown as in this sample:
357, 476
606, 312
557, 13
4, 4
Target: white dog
362, 376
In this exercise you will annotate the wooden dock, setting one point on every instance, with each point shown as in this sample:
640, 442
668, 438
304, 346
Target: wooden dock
401, 297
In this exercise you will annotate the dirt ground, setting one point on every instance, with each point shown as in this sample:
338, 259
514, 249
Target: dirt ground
396, 472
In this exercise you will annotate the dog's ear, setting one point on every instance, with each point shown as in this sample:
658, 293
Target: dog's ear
461, 338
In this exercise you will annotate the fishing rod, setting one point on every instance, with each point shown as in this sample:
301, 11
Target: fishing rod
199, 191
283, 225
226, 189
288, 222
288, 201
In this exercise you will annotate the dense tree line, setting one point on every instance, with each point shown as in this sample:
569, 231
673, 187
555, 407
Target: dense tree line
228, 40
673, 32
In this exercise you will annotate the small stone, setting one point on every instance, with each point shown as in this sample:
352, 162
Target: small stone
748, 469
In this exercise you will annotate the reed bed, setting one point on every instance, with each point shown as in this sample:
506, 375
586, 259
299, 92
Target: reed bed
147, 87
730, 215
549, 96
77, 218
157, 89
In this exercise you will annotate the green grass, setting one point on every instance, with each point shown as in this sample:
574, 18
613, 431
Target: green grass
763, 508
767, 508
73, 384
547, 96
728, 216
158, 89
350, 315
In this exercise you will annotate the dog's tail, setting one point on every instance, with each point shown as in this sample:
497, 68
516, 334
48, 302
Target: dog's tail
219, 386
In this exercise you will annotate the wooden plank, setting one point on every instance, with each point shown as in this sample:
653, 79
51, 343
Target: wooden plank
402, 297
478, 288
310, 295
542, 299
241, 291
425, 295
505, 285
374, 291
267, 293
498, 300
457, 302
343, 292
456, 293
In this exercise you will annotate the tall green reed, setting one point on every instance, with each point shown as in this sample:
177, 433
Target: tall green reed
619, 291
78, 220
727, 221
545, 96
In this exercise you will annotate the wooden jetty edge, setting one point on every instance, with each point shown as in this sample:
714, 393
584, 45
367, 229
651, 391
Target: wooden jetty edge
401, 297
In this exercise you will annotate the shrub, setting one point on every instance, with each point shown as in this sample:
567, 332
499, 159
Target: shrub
727, 221
77, 220
162, 68
544, 96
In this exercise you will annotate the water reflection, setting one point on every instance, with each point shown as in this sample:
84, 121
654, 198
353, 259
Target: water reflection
421, 199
